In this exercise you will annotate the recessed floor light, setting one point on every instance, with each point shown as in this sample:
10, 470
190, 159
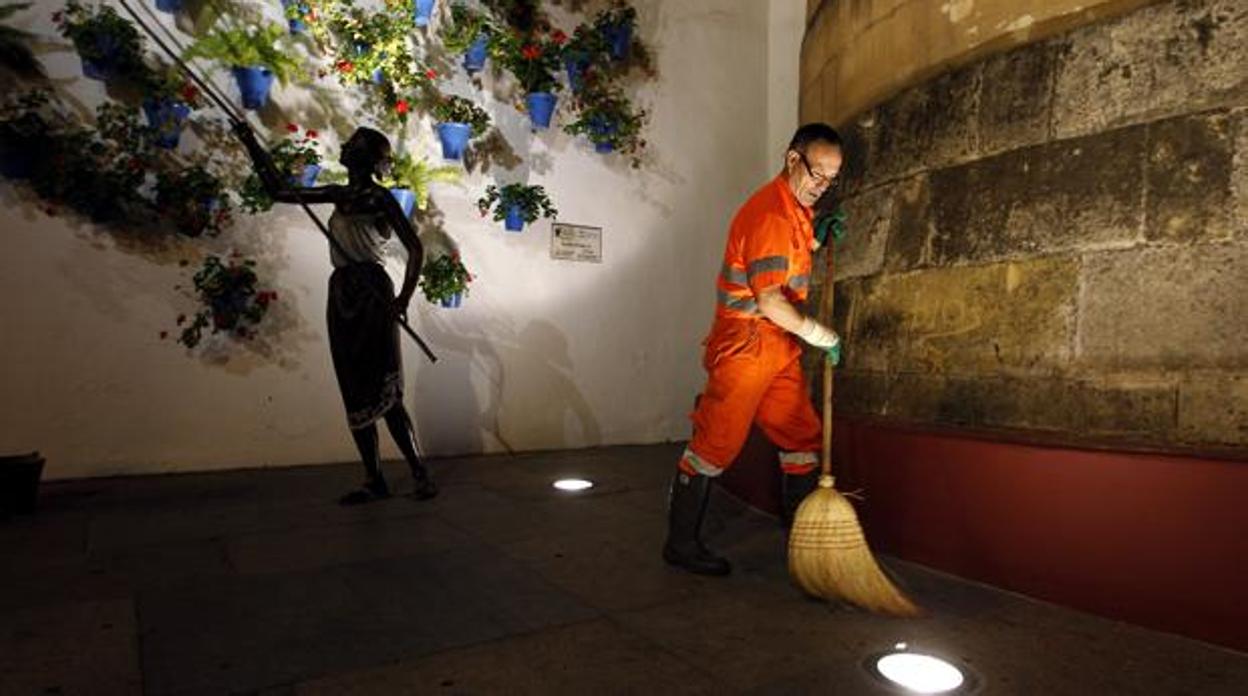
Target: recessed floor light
573, 484
917, 673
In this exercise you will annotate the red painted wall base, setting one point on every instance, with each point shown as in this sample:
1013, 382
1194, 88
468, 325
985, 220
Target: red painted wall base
1156, 540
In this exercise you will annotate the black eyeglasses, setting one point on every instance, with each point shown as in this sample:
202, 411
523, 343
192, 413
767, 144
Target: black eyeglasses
820, 178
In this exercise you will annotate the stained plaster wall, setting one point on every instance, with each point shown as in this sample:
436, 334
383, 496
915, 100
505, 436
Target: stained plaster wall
544, 354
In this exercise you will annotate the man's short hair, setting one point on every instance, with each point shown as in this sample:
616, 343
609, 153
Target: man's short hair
814, 132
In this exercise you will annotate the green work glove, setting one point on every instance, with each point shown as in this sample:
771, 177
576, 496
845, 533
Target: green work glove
830, 224
834, 354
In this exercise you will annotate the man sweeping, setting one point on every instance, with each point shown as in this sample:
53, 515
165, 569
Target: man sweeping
752, 355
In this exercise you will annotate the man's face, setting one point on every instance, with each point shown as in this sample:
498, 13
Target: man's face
811, 174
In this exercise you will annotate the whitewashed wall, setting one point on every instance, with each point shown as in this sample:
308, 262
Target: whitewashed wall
544, 354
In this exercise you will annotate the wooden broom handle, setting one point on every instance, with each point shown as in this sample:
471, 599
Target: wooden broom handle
826, 312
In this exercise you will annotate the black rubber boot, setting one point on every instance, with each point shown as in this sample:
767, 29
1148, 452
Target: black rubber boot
686, 507
793, 490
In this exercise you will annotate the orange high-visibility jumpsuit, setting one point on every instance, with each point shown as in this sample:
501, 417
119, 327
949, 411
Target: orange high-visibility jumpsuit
753, 366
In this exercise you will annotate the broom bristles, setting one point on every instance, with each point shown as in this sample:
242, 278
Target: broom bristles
829, 558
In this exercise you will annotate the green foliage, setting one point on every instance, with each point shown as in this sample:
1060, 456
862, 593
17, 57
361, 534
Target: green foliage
465, 26
290, 155
416, 175
605, 115
230, 302
98, 171
532, 58
443, 277
102, 36
532, 200
264, 46
194, 200
453, 109
170, 83
362, 42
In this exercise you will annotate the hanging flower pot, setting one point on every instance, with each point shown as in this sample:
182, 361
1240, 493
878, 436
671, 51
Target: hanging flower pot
166, 117
474, 57
294, 15
452, 301
541, 107
254, 84
515, 218
170, 6
104, 66
602, 128
444, 280
423, 12
306, 176
619, 38
576, 64
406, 198
454, 137
516, 204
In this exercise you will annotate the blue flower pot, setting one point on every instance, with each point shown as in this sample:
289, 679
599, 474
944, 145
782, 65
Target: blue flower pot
541, 106
474, 57
423, 12
454, 137
619, 38
576, 65
253, 84
166, 118
515, 219
406, 199
105, 66
600, 126
170, 6
297, 26
17, 159
307, 177
452, 302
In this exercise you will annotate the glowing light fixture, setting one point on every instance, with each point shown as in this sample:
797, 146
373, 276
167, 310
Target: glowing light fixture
916, 672
573, 485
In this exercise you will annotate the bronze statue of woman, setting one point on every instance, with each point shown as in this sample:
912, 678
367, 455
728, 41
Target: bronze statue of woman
363, 334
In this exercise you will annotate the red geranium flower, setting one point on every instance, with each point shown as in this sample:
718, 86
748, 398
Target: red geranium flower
312, 134
190, 93
431, 74
559, 37
345, 66
401, 106
292, 128
531, 52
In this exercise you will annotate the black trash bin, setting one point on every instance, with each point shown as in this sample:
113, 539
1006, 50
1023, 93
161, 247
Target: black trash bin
19, 483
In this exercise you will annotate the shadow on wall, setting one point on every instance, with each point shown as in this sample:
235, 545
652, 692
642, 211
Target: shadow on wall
527, 400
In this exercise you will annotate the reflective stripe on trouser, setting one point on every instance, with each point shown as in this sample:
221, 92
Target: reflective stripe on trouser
754, 375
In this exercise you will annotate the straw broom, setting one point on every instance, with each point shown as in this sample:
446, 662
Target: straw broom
828, 555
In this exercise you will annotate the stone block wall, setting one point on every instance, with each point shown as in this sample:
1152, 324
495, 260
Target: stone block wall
1055, 239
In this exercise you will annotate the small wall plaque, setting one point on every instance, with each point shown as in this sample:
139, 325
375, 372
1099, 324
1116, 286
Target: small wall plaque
575, 243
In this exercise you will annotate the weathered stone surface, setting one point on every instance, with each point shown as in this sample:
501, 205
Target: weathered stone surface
1170, 308
1173, 57
1239, 174
868, 219
1144, 412
1214, 409
1188, 183
967, 320
1073, 194
910, 238
928, 126
1015, 102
